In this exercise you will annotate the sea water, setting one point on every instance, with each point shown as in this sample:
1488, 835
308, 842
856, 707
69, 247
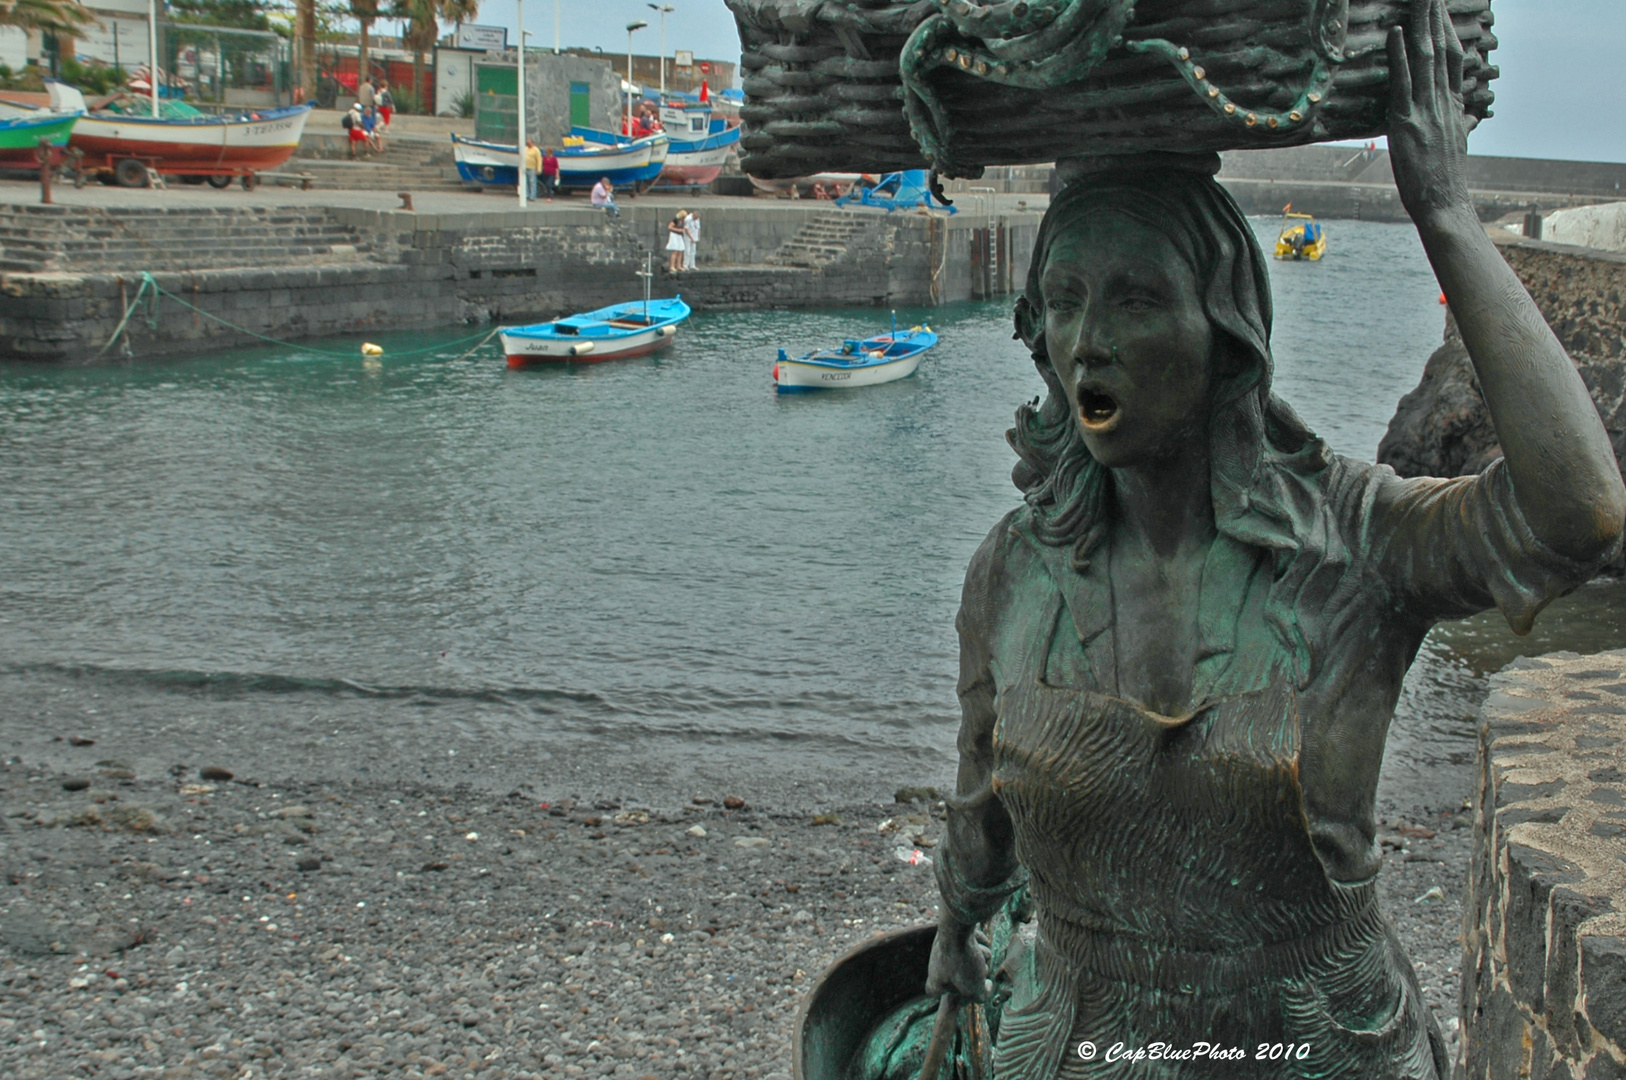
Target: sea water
643, 576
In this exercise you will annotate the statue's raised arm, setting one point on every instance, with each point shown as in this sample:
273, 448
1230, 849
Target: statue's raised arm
1557, 452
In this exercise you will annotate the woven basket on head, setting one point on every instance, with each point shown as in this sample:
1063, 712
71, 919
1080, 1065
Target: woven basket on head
882, 85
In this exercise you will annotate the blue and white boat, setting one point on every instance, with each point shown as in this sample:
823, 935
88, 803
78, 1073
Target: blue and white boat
700, 145
633, 329
881, 359
633, 163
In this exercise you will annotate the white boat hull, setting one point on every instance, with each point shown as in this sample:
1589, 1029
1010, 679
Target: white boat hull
523, 350
793, 374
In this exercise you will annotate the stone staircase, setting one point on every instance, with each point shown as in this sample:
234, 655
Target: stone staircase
821, 241
36, 239
370, 174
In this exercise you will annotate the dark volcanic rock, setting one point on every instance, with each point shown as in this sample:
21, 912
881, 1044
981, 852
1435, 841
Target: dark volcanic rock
1442, 428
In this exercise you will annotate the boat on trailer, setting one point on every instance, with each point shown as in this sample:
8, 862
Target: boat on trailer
629, 163
20, 137
881, 359
700, 146
637, 328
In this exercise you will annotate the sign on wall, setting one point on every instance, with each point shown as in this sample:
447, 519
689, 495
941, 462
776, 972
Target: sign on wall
489, 38
683, 58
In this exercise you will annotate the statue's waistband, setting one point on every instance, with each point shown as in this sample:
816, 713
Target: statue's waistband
1145, 962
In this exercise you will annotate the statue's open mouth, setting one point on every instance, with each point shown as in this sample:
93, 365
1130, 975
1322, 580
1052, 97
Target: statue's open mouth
1100, 411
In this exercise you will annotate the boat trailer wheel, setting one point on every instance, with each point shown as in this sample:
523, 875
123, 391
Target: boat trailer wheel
130, 173
220, 183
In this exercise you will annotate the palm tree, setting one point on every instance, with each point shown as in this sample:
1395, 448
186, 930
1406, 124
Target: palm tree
458, 12
50, 16
365, 11
422, 30
305, 40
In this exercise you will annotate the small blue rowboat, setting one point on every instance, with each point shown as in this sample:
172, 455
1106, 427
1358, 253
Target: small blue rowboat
881, 359
633, 329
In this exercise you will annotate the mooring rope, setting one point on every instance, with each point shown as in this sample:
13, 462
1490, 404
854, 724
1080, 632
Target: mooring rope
149, 282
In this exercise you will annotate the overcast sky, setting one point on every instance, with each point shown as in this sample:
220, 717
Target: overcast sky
1561, 95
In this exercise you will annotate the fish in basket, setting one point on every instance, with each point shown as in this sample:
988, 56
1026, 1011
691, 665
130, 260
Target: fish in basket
999, 83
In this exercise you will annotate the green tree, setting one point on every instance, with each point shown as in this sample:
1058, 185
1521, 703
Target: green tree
50, 16
365, 12
238, 14
422, 30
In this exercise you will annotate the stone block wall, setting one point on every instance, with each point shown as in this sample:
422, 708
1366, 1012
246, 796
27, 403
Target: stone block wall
1544, 935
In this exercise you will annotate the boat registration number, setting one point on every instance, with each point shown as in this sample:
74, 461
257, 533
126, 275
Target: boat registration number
836, 376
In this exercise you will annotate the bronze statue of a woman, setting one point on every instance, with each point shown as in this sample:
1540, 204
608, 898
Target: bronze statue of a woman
1180, 657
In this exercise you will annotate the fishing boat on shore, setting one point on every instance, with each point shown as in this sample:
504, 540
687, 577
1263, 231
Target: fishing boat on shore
219, 148
590, 156
700, 145
881, 359
20, 137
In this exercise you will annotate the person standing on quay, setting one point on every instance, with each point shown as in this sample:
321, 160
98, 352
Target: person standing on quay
385, 102
550, 171
533, 168
366, 97
691, 242
677, 243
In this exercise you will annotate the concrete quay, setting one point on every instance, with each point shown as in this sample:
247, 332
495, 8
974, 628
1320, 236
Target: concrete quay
291, 264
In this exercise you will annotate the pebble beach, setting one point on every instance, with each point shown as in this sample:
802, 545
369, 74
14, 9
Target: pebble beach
210, 924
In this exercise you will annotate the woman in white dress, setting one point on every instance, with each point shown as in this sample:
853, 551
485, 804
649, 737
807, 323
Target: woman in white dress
676, 243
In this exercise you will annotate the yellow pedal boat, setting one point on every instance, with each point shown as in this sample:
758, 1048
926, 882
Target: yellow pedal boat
1302, 237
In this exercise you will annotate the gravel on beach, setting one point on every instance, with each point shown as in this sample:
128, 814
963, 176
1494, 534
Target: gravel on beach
178, 926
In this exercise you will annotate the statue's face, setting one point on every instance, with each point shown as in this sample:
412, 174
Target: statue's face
1126, 333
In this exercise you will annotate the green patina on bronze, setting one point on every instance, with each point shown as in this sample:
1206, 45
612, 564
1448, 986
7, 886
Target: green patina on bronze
1180, 656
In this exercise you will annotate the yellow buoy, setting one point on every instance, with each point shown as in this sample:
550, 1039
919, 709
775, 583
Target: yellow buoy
369, 349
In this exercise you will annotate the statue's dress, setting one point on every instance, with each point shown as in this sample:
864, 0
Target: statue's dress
1211, 877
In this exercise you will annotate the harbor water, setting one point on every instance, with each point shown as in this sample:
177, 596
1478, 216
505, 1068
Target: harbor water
641, 578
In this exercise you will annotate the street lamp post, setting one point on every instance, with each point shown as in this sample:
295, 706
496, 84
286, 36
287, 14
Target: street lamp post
636, 24
556, 39
519, 17
665, 10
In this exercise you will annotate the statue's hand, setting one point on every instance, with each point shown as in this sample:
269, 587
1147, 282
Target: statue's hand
959, 963
1428, 130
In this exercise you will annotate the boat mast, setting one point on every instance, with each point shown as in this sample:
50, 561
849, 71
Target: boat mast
648, 274
152, 52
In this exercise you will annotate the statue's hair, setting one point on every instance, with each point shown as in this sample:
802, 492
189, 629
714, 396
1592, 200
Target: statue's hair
1068, 490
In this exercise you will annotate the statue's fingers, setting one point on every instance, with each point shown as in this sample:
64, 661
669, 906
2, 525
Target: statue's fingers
1456, 56
1420, 50
1441, 31
1399, 75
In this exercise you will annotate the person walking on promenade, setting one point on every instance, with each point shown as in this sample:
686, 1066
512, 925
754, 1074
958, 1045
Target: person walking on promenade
604, 198
366, 96
550, 171
352, 124
385, 102
691, 245
677, 243
533, 168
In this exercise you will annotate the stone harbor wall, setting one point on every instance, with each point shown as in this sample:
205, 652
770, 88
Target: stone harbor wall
374, 270
1544, 934
1442, 427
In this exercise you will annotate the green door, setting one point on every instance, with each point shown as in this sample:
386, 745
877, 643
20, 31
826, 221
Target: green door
496, 113
581, 105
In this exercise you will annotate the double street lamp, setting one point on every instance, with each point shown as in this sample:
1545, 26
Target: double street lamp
636, 24
665, 10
